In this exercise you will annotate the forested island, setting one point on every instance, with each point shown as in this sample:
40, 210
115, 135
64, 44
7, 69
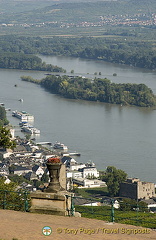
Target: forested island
101, 90
23, 61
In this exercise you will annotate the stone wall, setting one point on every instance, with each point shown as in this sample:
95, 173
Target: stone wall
146, 190
128, 190
137, 189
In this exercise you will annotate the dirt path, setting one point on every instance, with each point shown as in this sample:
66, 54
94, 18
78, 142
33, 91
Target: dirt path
28, 226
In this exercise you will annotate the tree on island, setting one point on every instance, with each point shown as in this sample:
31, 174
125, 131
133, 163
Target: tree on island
113, 177
102, 90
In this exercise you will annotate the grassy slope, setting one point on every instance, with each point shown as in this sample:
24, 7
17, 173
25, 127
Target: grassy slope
104, 212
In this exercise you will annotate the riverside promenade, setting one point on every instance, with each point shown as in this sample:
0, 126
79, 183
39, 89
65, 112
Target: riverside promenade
30, 226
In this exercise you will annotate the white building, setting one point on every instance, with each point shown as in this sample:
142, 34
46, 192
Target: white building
37, 155
75, 167
76, 174
88, 183
68, 161
48, 155
38, 170
6, 154
7, 181
12, 132
90, 172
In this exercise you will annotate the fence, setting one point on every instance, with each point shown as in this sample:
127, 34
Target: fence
113, 211
19, 200
134, 214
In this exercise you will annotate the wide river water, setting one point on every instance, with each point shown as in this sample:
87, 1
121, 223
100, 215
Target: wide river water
108, 135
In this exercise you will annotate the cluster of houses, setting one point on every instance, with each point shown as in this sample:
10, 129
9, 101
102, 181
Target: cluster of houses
113, 20
81, 174
29, 160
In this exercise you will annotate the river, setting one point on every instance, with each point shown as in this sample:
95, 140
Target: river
109, 135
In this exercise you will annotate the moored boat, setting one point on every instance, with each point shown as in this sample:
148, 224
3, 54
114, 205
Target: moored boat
27, 130
61, 146
36, 131
30, 129
22, 115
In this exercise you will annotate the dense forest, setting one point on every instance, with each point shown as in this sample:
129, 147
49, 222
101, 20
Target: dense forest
104, 30
97, 90
27, 62
139, 54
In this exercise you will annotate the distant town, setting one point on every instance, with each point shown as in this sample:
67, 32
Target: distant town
108, 20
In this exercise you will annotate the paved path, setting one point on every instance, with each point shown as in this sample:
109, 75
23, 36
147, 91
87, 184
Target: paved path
28, 226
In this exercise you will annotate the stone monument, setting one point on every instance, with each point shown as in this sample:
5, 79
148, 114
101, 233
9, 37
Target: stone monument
54, 200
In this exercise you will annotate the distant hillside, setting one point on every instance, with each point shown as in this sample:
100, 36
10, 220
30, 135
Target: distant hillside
14, 6
39, 11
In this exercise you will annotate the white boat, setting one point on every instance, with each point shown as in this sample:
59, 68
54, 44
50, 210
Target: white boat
27, 130
30, 129
22, 115
61, 146
36, 131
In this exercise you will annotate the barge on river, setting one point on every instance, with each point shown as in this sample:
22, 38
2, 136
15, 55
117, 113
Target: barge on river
61, 146
23, 116
30, 129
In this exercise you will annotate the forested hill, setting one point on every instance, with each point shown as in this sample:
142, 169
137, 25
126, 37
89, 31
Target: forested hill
98, 90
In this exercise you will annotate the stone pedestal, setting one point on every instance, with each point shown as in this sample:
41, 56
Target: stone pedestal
51, 203
54, 200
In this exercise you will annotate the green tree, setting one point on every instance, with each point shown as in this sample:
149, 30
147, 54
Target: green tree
5, 138
27, 137
99, 90
45, 178
10, 198
11, 169
18, 179
8, 187
113, 177
128, 204
37, 183
3, 119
